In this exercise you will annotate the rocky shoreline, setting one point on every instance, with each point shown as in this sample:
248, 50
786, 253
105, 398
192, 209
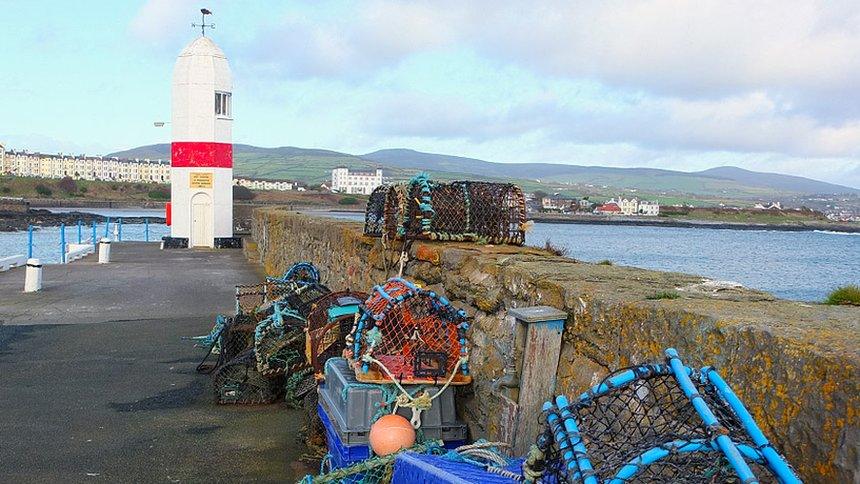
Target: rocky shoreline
834, 227
13, 221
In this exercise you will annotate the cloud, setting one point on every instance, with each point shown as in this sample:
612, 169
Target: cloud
160, 21
752, 123
800, 49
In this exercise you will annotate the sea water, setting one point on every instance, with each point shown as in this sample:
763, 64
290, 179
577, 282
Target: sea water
803, 266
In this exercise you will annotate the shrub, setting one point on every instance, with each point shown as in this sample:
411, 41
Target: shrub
82, 189
5, 189
555, 249
348, 201
605, 262
43, 190
847, 295
67, 185
159, 194
664, 295
242, 193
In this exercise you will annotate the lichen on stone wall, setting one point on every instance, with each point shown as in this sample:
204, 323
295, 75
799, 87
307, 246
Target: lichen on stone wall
795, 365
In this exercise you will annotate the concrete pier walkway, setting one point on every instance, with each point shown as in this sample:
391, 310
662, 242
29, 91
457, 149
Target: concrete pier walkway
96, 384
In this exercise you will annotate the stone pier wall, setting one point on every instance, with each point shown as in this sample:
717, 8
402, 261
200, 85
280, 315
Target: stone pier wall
795, 365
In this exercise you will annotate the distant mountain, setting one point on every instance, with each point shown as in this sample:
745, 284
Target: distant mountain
314, 166
775, 181
720, 181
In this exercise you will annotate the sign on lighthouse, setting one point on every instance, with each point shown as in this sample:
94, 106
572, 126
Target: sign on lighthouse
201, 166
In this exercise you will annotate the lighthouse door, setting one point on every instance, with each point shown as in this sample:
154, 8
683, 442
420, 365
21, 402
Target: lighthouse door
201, 221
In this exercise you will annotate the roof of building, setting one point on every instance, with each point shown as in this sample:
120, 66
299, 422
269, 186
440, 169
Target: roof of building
609, 207
202, 46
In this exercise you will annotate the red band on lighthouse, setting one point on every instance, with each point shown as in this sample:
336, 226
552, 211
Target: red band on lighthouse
202, 154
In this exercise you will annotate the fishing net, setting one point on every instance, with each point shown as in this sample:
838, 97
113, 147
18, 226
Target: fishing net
409, 335
329, 321
657, 423
239, 382
482, 212
375, 470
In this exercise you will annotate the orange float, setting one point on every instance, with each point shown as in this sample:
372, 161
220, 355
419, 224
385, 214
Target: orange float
391, 433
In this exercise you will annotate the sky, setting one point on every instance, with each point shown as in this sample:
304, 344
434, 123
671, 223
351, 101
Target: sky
685, 85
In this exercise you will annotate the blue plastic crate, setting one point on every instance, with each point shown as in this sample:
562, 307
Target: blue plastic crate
413, 468
346, 455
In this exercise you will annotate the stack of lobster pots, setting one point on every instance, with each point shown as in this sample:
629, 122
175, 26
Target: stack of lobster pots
405, 354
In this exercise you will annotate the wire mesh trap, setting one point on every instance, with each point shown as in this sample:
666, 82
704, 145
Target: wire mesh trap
239, 382
278, 341
409, 335
657, 423
466, 211
329, 321
229, 336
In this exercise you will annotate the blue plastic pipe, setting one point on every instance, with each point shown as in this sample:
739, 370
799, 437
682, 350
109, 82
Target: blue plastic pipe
80, 231
655, 454
723, 441
579, 449
107, 227
564, 446
146, 229
119, 231
29, 241
95, 242
63, 243
775, 461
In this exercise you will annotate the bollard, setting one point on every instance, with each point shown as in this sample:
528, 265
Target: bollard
33, 276
104, 251
94, 240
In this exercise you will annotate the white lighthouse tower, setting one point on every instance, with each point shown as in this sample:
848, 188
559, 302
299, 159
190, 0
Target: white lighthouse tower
201, 167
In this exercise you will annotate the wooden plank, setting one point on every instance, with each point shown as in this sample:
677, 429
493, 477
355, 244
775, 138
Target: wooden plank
537, 383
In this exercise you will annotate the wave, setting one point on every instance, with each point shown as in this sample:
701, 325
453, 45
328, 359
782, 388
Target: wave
834, 232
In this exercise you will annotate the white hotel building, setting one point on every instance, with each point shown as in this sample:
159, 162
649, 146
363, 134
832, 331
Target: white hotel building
344, 180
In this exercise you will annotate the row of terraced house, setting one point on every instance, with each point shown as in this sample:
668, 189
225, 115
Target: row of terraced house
81, 167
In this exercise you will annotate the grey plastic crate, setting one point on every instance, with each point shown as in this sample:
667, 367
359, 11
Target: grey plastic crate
352, 405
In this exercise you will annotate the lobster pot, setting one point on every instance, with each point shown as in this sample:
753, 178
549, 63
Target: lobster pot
482, 212
278, 341
240, 382
303, 298
641, 425
374, 215
410, 335
329, 322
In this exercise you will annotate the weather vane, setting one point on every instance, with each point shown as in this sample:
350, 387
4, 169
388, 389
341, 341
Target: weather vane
203, 23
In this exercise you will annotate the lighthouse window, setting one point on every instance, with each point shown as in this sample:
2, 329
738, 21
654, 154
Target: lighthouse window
222, 103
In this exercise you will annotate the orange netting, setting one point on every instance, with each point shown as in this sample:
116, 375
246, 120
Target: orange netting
410, 335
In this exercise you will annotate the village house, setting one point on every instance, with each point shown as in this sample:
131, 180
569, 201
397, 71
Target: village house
81, 167
558, 203
608, 208
264, 184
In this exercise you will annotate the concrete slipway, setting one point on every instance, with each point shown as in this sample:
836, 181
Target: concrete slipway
96, 384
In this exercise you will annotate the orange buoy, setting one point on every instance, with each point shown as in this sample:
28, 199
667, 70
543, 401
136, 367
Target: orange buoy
390, 434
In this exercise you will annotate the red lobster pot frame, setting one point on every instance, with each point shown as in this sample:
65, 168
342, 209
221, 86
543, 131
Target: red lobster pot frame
409, 335
329, 321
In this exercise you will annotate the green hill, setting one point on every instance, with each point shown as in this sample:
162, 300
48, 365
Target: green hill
313, 166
